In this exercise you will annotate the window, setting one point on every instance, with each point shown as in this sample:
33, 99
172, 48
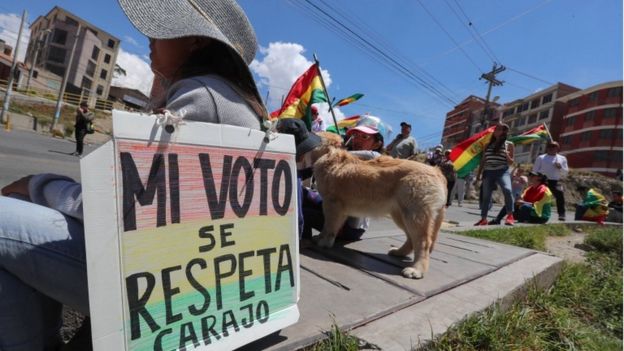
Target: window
57, 54
95, 53
589, 116
525, 106
593, 96
606, 134
508, 112
613, 92
58, 70
103, 74
59, 37
586, 136
547, 98
532, 118
86, 83
535, 103
566, 140
111, 43
71, 21
99, 90
571, 121
609, 113
544, 114
107, 58
90, 68
575, 102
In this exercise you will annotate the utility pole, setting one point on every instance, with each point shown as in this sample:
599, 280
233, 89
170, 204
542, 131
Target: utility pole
491, 78
7, 96
57, 111
33, 62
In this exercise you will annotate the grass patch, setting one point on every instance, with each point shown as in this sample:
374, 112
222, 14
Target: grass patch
582, 310
531, 237
336, 340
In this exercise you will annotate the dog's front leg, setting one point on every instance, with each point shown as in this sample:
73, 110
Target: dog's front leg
334, 220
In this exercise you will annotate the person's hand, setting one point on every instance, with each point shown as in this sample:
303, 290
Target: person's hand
479, 177
558, 165
18, 187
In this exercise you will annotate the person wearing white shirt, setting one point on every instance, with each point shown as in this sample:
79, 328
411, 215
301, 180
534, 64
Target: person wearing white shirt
318, 124
555, 167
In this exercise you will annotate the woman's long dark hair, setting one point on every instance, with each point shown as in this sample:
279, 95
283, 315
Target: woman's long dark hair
217, 58
499, 142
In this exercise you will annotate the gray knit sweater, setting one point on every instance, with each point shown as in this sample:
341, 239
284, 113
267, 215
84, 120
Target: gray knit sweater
205, 98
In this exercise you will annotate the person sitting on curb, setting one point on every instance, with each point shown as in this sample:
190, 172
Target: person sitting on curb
535, 204
594, 206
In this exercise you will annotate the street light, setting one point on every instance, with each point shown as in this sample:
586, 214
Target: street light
34, 60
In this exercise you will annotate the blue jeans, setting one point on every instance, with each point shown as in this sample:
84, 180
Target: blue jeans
42, 267
490, 179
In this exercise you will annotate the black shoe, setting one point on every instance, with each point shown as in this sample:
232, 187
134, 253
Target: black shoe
493, 222
562, 218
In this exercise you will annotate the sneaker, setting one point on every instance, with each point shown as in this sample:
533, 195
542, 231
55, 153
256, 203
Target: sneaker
481, 222
509, 220
493, 222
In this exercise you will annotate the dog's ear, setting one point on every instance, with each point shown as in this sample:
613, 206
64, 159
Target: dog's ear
331, 139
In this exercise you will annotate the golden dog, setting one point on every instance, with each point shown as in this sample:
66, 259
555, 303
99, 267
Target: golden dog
414, 194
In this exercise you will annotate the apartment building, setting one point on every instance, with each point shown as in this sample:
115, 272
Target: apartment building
542, 107
591, 128
52, 38
465, 118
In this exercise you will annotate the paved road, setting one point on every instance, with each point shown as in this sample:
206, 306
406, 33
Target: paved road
24, 152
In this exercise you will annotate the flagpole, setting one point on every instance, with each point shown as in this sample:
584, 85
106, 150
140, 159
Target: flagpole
331, 109
548, 131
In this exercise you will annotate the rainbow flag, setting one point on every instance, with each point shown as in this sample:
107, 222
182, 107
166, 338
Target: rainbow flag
597, 206
344, 124
466, 156
306, 90
349, 100
538, 133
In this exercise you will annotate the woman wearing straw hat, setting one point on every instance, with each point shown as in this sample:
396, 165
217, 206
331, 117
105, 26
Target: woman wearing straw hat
200, 50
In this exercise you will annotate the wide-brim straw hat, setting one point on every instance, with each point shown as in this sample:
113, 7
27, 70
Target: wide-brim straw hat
222, 20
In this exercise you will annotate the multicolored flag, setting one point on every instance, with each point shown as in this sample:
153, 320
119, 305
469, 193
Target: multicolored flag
466, 156
306, 90
344, 124
541, 197
349, 100
596, 206
538, 133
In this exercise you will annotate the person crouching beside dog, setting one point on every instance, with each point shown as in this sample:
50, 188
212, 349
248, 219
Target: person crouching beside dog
364, 141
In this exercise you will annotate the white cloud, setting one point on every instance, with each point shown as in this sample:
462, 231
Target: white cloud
138, 73
281, 65
131, 40
9, 29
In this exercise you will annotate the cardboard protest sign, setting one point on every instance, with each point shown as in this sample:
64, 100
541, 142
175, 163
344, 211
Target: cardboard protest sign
191, 235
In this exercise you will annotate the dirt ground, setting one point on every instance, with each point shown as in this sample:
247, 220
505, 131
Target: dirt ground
566, 247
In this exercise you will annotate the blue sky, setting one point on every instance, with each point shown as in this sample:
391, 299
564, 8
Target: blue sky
542, 42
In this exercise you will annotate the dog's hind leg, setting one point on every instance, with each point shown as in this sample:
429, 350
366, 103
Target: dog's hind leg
406, 248
436, 228
422, 242
334, 220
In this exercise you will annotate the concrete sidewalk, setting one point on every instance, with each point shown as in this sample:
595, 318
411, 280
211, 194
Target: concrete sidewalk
359, 288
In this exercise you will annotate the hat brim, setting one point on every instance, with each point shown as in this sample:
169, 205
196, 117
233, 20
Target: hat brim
168, 19
309, 144
363, 129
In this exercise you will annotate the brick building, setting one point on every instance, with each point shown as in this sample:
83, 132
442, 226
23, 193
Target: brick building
469, 112
51, 40
591, 128
529, 112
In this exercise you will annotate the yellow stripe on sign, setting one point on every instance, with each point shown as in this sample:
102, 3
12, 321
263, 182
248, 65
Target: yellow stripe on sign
152, 250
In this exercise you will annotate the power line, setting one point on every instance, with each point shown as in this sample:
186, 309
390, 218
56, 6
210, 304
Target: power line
472, 29
450, 37
530, 76
381, 56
